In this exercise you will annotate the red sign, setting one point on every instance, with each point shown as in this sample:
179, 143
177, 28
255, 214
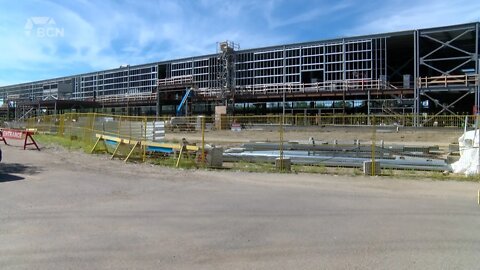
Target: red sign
18, 135
12, 134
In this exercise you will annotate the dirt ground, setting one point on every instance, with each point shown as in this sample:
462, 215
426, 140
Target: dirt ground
70, 210
409, 136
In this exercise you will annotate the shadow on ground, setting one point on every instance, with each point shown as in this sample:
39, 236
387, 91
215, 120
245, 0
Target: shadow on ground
7, 169
5, 177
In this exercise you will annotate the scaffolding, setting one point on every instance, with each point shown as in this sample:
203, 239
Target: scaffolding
226, 71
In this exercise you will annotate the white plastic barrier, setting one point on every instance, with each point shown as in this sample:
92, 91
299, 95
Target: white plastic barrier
468, 163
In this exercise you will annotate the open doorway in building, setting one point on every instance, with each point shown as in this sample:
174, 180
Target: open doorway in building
162, 72
400, 61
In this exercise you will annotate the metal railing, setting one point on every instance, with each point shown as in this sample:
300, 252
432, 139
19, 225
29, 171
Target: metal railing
293, 88
447, 81
126, 98
177, 80
50, 123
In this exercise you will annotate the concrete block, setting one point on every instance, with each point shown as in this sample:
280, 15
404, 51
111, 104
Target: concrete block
215, 157
453, 147
367, 168
287, 164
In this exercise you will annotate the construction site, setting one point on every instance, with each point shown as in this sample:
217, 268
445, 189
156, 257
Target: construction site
296, 103
430, 71
321, 154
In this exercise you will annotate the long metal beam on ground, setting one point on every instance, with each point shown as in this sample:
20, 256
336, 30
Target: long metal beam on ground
407, 163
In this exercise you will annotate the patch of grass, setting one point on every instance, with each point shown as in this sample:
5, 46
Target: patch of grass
446, 177
432, 175
357, 171
309, 169
254, 167
170, 161
64, 142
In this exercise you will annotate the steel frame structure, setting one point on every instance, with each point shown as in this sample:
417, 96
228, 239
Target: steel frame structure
389, 73
446, 73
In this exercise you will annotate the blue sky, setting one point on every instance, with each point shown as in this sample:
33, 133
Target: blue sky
87, 35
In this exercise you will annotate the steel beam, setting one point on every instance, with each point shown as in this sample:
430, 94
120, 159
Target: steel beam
469, 57
428, 62
477, 92
459, 66
447, 44
416, 58
434, 68
397, 70
446, 108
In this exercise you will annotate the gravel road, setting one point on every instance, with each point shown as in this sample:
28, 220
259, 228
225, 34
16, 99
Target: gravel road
69, 210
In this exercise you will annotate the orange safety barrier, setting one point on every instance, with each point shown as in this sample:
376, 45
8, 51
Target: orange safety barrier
18, 135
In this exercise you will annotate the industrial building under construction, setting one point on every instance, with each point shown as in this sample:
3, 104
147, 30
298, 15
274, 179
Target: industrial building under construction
434, 71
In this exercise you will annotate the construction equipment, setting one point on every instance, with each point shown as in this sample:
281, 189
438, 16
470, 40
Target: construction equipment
180, 107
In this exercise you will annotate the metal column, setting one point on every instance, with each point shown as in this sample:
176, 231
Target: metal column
416, 99
368, 106
344, 67
158, 104
477, 88
284, 83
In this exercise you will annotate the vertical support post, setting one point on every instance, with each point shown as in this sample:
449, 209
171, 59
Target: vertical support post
186, 102
59, 126
477, 59
85, 127
374, 133
416, 103
368, 108
284, 79
385, 63
344, 74
476, 140
282, 168
203, 140
158, 105
119, 126
283, 106
145, 122
92, 129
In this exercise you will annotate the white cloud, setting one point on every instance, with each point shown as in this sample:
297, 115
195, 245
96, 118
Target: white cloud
408, 15
106, 34
319, 10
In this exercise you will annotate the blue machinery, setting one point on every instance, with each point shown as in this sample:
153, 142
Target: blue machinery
183, 103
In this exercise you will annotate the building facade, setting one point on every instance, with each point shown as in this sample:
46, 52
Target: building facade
432, 70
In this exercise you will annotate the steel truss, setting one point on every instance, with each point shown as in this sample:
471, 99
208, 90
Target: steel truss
449, 73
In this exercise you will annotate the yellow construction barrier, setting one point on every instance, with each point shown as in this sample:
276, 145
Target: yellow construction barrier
101, 138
